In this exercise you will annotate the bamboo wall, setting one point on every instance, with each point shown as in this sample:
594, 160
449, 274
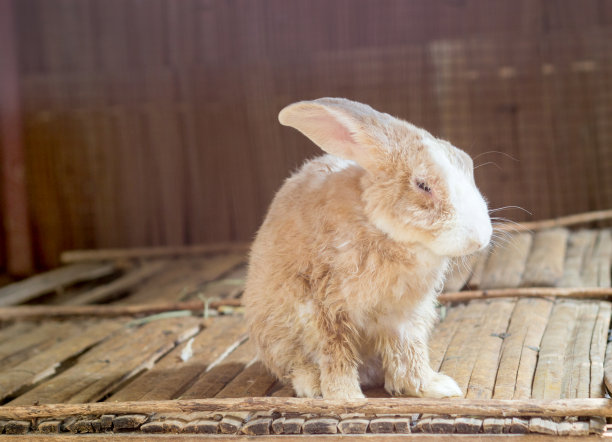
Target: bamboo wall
150, 122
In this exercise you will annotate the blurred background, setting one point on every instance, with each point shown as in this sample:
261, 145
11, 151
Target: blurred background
129, 123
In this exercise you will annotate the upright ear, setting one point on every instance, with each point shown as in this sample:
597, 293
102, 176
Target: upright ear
344, 128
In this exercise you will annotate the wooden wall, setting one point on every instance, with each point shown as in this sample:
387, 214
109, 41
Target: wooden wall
151, 122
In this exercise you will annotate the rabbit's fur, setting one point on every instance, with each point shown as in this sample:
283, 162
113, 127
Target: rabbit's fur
345, 270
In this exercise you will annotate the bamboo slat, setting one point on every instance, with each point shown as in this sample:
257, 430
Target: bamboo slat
216, 377
20, 348
443, 334
460, 272
492, 337
544, 266
548, 380
112, 362
597, 267
255, 380
520, 349
475, 281
577, 365
506, 265
457, 350
38, 285
44, 364
171, 375
119, 285
598, 349
184, 278
580, 245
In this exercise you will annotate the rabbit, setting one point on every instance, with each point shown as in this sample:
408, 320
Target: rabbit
344, 272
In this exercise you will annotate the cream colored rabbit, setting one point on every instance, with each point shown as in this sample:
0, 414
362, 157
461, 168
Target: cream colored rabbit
346, 267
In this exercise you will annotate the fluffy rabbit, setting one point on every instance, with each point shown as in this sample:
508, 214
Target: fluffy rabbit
345, 270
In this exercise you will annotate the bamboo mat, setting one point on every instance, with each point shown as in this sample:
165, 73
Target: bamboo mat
528, 348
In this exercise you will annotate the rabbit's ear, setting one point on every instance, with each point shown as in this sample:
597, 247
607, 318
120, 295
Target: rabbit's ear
341, 127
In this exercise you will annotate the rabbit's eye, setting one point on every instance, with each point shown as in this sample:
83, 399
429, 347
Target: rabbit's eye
423, 186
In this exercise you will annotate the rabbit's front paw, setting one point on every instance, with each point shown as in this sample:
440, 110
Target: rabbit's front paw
439, 386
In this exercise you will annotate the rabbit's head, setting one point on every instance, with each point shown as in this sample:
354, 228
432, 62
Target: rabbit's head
417, 189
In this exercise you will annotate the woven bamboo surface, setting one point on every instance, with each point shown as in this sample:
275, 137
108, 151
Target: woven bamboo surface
511, 348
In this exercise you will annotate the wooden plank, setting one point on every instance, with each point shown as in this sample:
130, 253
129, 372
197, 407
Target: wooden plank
216, 377
580, 245
43, 365
124, 283
598, 349
75, 256
40, 284
14, 198
544, 266
547, 383
506, 265
172, 374
576, 379
100, 370
397, 406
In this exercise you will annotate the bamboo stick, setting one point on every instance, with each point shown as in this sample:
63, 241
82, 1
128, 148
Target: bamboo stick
564, 221
476, 407
73, 256
57, 311
571, 292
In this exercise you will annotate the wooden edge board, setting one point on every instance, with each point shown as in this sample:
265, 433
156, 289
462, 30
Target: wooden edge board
73, 256
473, 407
301, 437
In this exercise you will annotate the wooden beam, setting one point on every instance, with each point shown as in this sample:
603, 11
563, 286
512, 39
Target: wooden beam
473, 407
16, 221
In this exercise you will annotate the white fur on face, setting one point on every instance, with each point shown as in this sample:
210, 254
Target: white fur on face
470, 228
